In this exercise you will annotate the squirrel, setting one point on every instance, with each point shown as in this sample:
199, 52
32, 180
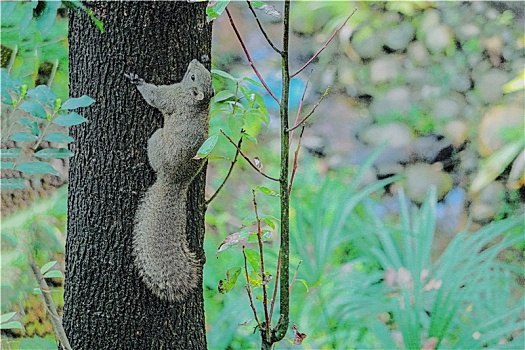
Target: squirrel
160, 248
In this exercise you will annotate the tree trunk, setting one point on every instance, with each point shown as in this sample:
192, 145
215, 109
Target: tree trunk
107, 306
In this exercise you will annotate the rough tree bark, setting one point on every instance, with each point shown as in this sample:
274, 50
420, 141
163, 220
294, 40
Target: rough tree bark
107, 306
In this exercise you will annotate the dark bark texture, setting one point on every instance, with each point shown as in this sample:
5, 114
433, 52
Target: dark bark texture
107, 306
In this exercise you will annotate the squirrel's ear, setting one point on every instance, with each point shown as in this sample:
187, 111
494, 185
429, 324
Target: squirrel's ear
199, 95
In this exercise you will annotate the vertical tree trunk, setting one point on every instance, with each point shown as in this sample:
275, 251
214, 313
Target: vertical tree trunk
107, 306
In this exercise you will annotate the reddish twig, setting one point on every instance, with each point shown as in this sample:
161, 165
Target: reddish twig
250, 58
300, 108
295, 276
249, 289
311, 112
324, 46
295, 161
261, 254
262, 30
247, 159
229, 172
276, 284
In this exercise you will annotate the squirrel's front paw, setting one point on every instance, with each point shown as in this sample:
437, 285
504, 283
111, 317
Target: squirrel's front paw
134, 78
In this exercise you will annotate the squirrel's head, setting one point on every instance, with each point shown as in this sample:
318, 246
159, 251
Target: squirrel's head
198, 80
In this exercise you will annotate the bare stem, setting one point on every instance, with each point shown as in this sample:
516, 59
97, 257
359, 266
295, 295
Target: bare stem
53, 73
295, 275
248, 159
249, 289
311, 112
262, 29
229, 172
50, 305
324, 46
274, 297
300, 108
263, 271
295, 161
250, 58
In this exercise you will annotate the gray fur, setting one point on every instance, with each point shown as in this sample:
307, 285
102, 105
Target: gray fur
162, 255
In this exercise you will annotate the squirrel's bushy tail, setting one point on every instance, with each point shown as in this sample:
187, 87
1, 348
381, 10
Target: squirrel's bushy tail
162, 255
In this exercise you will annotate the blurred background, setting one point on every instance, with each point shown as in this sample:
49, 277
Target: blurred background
428, 92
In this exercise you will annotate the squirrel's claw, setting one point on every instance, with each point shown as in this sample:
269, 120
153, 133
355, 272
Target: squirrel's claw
134, 78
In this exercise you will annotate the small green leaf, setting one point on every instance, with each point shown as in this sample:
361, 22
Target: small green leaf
223, 95
7, 165
46, 19
54, 274
69, 119
31, 168
232, 275
249, 137
253, 258
58, 137
54, 153
44, 94
223, 74
13, 183
267, 191
34, 108
11, 325
22, 136
47, 266
254, 82
6, 317
10, 152
215, 11
31, 124
304, 283
207, 147
74, 103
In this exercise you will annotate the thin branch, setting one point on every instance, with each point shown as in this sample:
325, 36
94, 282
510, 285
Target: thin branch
324, 46
249, 290
262, 29
295, 160
229, 172
249, 57
261, 255
53, 73
248, 159
274, 297
295, 275
299, 110
50, 305
311, 112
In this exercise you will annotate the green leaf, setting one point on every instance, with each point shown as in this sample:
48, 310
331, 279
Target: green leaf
58, 137
47, 18
253, 258
48, 266
232, 275
43, 94
34, 108
207, 147
31, 168
7, 165
223, 74
215, 11
74, 103
13, 183
69, 119
22, 136
267, 191
54, 153
10, 152
54, 274
6, 317
223, 95
31, 124
249, 137
254, 82
11, 325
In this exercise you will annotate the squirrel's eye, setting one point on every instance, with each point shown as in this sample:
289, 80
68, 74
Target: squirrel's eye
193, 77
